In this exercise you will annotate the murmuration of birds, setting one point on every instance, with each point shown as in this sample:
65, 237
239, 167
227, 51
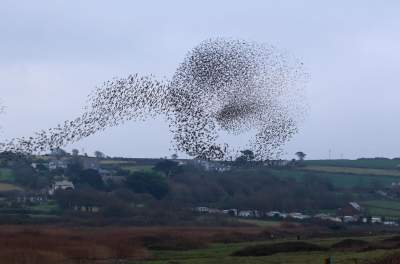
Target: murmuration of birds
222, 87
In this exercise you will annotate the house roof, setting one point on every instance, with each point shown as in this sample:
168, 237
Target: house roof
355, 206
64, 183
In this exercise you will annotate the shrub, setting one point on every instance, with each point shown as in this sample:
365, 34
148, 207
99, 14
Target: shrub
148, 182
173, 242
389, 259
270, 249
351, 244
29, 256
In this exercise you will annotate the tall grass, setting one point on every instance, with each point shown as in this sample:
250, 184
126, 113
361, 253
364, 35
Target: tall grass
53, 244
32, 246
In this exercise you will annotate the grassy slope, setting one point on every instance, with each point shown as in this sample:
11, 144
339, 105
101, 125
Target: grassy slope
221, 254
382, 207
352, 170
129, 165
340, 180
137, 168
342, 173
6, 179
348, 173
363, 163
114, 162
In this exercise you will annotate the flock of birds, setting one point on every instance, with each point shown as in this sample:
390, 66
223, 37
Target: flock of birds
222, 86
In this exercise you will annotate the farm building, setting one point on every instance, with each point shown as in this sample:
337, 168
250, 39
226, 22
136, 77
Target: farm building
61, 185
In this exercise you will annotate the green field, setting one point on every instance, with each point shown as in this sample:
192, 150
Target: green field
382, 208
340, 180
47, 207
137, 168
5, 187
6, 175
117, 162
131, 166
352, 170
361, 163
221, 254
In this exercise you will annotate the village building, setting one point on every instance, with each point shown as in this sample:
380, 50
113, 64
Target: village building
391, 223
351, 209
249, 213
322, 216
214, 211
202, 209
327, 217
376, 220
298, 216
31, 197
88, 209
91, 163
350, 219
208, 165
57, 164
276, 214
246, 213
277, 163
232, 212
181, 162
61, 185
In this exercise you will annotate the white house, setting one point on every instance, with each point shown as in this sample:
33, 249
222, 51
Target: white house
208, 165
334, 219
246, 213
61, 185
214, 211
57, 164
395, 184
393, 223
350, 219
299, 216
376, 220
273, 213
180, 162
322, 216
276, 214
36, 197
355, 206
233, 212
277, 163
202, 209
327, 217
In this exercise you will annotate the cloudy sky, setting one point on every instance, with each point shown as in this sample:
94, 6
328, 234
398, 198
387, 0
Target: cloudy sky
53, 53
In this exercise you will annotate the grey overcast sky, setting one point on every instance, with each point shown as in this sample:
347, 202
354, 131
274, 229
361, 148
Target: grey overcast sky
53, 53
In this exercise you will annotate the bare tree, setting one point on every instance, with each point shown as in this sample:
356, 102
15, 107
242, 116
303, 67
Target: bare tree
58, 153
301, 155
99, 154
75, 152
